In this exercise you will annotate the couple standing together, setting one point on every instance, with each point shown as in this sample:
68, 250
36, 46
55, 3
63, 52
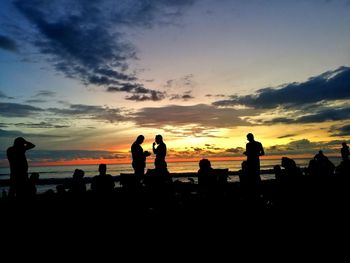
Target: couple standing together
139, 156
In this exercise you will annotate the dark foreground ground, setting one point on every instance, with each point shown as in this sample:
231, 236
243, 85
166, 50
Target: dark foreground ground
182, 203
308, 216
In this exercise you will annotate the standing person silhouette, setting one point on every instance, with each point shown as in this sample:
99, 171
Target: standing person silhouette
345, 152
19, 181
139, 157
254, 150
160, 153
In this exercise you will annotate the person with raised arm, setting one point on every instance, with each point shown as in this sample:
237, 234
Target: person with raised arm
160, 152
16, 156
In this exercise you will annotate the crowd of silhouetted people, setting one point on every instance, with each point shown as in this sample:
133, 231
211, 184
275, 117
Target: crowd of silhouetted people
155, 188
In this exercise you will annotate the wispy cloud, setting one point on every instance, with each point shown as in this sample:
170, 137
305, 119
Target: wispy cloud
286, 136
35, 101
3, 96
14, 134
331, 85
45, 93
306, 146
341, 131
319, 99
41, 125
139, 92
85, 40
91, 112
185, 96
203, 115
17, 110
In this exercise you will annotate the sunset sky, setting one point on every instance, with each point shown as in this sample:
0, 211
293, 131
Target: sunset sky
82, 79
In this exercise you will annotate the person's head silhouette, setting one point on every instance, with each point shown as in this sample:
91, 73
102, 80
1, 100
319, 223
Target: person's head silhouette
78, 173
250, 137
159, 139
140, 139
204, 164
102, 168
19, 141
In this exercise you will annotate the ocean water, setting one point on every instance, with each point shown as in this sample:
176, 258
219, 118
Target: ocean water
47, 172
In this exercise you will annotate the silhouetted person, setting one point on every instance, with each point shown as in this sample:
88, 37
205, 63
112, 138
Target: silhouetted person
102, 183
206, 176
139, 157
345, 152
291, 170
160, 152
78, 186
33, 180
343, 169
320, 156
278, 173
18, 167
254, 150
243, 173
322, 166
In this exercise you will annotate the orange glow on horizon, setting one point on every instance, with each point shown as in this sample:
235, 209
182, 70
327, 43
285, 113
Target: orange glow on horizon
170, 160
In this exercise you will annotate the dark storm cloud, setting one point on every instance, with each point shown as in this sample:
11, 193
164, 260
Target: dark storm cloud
17, 110
7, 43
153, 96
331, 85
323, 115
342, 131
91, 112
84, 39
139, 92
201, 114
305, 146
326, 115
186, 96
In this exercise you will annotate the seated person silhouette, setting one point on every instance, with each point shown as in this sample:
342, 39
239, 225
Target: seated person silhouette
103, 183
321, 165
291, 171
78, 184
33, 180
207, 180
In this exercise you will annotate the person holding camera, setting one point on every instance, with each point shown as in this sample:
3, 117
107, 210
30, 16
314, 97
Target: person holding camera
139, 157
